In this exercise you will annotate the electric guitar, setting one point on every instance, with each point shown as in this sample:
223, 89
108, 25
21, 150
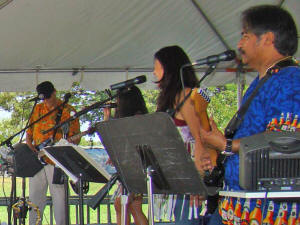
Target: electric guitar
200, 100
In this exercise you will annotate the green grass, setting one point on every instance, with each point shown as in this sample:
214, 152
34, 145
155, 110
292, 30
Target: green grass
93, 189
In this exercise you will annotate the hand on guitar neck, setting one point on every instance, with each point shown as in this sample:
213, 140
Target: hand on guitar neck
76, 138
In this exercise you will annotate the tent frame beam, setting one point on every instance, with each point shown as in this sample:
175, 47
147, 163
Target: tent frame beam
210, 24
75, 72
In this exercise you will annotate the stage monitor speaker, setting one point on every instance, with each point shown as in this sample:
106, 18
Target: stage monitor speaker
270, 161
26, 163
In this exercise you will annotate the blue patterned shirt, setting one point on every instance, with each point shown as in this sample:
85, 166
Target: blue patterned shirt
279, 94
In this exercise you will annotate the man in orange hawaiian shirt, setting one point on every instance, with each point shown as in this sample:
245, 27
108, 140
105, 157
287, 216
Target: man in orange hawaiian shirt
38, 184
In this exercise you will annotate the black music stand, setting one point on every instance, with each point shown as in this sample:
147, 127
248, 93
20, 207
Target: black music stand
78, 166
26, 162
150, 143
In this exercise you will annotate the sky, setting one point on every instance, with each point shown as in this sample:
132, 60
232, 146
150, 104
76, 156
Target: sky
4, 114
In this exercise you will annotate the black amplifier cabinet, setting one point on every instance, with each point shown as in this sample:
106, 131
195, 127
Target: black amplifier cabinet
270, 161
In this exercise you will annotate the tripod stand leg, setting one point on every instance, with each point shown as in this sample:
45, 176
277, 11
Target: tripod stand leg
66, 184
150, 196
23, 195
124, 201
81, 213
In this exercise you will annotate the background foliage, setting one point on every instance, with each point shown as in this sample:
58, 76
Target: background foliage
223, 105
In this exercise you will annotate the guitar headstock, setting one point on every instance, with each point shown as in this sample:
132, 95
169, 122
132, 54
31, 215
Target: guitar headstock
200, 99
204, 94
91, 130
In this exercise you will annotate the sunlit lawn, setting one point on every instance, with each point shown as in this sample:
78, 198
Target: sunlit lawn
93, 189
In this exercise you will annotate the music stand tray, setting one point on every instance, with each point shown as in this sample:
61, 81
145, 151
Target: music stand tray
73, 160
125, 139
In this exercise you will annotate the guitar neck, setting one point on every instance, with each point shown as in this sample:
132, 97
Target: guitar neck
201, 100
77, 136
81, 134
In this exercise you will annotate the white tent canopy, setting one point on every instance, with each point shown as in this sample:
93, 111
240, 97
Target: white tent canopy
101, 42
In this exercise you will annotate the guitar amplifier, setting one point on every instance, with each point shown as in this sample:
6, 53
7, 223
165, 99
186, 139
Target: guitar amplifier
270, 161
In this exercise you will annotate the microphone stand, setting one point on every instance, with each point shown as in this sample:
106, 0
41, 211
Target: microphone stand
208, 175
8, 143
24, 206
65, 178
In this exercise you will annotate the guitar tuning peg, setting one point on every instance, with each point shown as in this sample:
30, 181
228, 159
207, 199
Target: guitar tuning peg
108, 92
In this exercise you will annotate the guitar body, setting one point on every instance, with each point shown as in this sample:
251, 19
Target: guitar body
200, 101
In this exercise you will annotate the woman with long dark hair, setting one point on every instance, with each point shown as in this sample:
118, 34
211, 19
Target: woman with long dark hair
130, 102
167, 64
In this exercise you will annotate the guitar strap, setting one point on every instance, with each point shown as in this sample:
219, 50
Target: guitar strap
172, 112
58, 177
57, 120
237, 119
215, 178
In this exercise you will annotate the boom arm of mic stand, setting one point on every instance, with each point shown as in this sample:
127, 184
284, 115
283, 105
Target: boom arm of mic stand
8, 140
82, 112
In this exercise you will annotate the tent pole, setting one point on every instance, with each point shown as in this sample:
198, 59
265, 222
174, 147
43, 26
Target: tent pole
281, 3
240, 84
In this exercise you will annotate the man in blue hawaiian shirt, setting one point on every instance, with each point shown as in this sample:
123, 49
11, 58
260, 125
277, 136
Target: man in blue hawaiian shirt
269, 35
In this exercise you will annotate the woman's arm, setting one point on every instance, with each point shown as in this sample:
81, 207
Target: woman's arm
189, 115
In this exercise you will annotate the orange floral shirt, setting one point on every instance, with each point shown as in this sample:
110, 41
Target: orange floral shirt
36, 131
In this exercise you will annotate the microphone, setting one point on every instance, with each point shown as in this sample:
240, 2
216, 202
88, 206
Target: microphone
67, 96
37, 98
128, 83
224, 56
109, 105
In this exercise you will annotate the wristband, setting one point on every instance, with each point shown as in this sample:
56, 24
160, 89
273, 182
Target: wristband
228, 148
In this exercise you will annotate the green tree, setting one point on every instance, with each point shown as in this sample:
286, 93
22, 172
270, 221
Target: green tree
223, 104
150, 97
15, 103
19, 107
222, 107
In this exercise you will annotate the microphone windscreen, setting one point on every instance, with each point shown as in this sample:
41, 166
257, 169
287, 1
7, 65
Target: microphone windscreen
230, 55
141, 79
41, 96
